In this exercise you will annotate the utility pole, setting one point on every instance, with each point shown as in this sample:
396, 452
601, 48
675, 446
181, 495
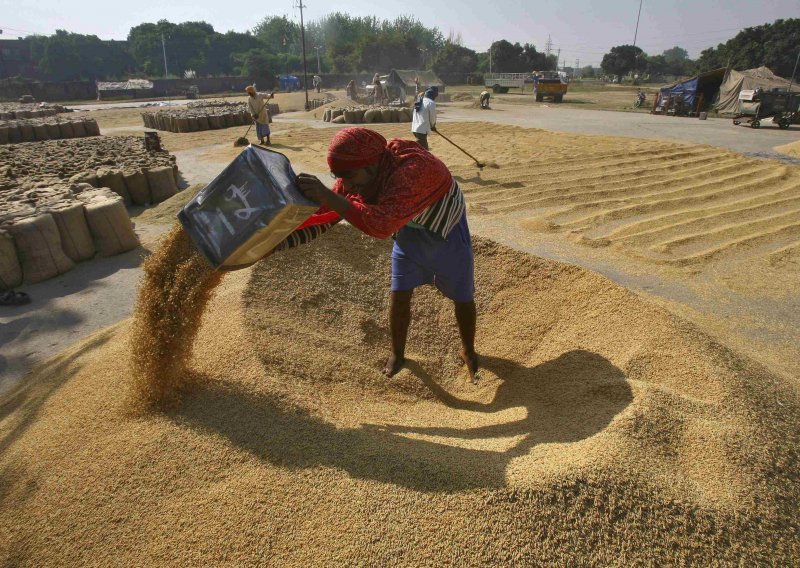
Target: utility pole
319, 67
164, 51
796, 61
636, 33
303, 39
490, 58
558, 58
548, 46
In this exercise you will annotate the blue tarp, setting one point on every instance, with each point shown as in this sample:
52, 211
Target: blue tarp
289, 83
686, 88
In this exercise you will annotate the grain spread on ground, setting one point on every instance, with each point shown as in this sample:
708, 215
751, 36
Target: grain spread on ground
604, 430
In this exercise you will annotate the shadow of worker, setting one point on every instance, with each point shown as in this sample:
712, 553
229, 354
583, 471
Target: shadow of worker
567, 399
570, 398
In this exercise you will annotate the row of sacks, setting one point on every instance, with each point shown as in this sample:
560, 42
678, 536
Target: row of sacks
202, 118
37, 130
366, 115
135, 187
43, 242
12, 111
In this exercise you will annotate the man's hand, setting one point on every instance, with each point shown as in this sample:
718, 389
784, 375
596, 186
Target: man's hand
312, 188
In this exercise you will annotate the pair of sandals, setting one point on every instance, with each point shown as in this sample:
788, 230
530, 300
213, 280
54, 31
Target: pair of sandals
12, 298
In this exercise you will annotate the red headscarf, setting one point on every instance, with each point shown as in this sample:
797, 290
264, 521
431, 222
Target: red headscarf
409, 180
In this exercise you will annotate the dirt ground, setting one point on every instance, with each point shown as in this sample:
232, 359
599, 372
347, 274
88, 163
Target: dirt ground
648, 415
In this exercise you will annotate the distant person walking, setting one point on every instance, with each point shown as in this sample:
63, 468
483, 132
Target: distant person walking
352, 90
377, 89
317, 82
424, 119
257, 103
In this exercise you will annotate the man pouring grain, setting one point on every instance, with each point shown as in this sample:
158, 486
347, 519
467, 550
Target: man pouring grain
257, 103
398, 189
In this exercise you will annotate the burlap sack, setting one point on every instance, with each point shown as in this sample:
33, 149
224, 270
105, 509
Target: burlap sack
162, 183
76, 241
359, 115
40, 132
202, 122
91, 126
53, 131
78, 130
336, 113
10, 270
113, 180
372, 115
137, 186
65, 129
14, 134
3, 134
38, 245
349, 117
214, 122
110, 226
26, 132
338, 120
84, 177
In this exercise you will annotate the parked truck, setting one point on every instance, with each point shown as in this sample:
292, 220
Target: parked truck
502, 82
549, 84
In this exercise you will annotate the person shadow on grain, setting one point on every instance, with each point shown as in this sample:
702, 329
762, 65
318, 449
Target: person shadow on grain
568, 399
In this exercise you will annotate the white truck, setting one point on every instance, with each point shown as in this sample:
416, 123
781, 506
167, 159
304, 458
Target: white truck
502, 82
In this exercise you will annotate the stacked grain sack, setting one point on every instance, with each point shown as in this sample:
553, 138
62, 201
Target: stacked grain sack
16, 131
366, 115
52, 217
11, 111
202, 116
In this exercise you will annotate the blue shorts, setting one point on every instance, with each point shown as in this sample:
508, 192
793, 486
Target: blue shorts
262, 130
422, 257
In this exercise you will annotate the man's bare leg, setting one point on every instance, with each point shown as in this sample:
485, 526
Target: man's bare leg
466, 316
399, 320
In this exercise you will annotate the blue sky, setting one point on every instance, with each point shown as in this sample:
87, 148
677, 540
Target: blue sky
582, 29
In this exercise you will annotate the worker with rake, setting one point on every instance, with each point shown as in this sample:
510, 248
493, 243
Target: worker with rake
259, 110
424, 119
397, 189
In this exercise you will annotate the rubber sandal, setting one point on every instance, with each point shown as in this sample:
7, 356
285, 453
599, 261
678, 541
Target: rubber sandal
12, 298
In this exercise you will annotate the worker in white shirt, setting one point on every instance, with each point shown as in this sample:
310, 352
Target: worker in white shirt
424, 119
485, 99
259, 110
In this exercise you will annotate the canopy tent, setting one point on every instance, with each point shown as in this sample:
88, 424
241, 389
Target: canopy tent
132, 88
404, 79
697, 93
751, 79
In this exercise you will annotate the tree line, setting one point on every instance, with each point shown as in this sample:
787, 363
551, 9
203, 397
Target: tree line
342, 43
773, 45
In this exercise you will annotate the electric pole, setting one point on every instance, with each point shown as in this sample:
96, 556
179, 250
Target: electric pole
319, 67
548, 46
558, 58
303, 39
490, 59
636, 33
164, 51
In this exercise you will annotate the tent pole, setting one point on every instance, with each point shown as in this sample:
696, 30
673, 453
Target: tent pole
794, 72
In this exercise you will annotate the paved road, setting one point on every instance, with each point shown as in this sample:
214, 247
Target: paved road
714, 131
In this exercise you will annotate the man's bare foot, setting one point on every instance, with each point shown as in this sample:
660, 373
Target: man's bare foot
471, 361
393, 365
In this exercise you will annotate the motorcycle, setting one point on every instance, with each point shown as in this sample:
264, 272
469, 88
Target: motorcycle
640, 98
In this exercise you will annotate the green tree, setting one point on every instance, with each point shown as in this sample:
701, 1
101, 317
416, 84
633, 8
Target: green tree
66, 56
677, 61
587, 72
624, 59
773, 45
506, 57
453, 58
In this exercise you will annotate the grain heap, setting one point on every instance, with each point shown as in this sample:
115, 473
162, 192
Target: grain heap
202, 116
38, 129
52, 217
604, 431
11, 111
366, 115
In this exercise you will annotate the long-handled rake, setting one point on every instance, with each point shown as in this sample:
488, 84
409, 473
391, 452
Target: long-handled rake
478, 163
